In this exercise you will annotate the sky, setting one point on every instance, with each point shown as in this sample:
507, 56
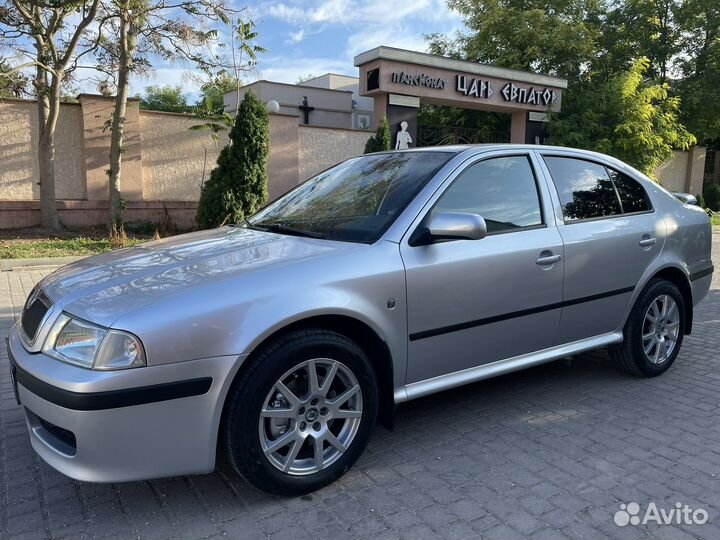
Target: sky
304, 37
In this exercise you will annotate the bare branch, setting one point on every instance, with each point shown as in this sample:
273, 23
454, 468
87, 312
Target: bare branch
26, 65
79, 31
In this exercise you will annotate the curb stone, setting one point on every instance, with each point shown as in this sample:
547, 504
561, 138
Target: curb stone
7, 265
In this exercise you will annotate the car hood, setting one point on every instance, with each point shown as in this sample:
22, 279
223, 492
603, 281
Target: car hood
105, 287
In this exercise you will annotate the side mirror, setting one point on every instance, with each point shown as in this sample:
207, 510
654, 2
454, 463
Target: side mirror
450, 226
686, 198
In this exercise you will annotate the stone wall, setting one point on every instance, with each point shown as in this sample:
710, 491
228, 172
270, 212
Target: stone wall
164, 163
176, 160
18, 151
320, 148
684, 172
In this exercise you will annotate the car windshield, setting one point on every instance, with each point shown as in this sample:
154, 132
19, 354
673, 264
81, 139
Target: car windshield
355, 201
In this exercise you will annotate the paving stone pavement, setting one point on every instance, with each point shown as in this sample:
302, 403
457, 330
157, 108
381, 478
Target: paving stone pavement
548, 453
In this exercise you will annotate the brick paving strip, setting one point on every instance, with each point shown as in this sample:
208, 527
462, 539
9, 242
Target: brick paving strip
546, 453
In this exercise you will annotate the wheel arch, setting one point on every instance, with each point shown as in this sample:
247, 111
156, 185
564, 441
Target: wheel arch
361, 333
679, 278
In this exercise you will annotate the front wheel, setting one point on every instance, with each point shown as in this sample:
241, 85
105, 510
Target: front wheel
654, 331
301, 413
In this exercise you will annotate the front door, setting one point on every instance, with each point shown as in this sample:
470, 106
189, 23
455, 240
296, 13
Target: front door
471, 302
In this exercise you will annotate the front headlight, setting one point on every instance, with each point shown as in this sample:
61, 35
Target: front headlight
93, 347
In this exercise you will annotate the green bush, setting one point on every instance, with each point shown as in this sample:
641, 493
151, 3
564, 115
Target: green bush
380, 142
712, 197
141, 227
238, 185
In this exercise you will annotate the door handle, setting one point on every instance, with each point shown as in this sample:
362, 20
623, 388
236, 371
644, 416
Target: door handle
647, 241
546, 260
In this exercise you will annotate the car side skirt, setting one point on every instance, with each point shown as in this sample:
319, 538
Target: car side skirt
486, 371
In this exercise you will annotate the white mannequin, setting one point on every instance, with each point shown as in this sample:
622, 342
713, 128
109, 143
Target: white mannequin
403, 139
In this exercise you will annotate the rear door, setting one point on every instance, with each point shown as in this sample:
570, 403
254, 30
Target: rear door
610, 233
471, 302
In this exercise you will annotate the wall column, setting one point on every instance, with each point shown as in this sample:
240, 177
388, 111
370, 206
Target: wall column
283, 162
380, 105
518, 126
96, 114
695, 171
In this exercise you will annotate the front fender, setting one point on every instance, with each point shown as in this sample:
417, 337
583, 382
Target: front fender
265, 319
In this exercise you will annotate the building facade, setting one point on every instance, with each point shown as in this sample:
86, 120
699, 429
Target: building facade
396, 82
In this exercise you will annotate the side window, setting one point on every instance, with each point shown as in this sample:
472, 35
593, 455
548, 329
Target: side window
502, 190
585, 189
632, 195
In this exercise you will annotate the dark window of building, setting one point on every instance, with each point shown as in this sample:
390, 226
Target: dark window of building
584, 187
373, 79
501, 190
632, 194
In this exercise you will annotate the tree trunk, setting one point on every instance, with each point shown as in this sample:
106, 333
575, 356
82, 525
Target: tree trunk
126, 51
48, 108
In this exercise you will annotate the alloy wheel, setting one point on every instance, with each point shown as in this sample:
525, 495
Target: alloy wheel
310, 416
661, 328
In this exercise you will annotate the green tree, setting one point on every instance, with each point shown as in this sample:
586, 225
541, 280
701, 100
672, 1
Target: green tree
211, 102
634, 29
52, 38
238, 185
165, 98
380, 142
700, 94
244, 51
711, 196
137, 32
626, 117
489, 124
556, 37
699, 87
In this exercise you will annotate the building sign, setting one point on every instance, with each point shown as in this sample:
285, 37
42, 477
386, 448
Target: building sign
479, 88
419, 80
474, 87
512, 92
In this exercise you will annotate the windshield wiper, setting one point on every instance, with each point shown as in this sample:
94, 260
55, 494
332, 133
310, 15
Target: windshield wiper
287, 229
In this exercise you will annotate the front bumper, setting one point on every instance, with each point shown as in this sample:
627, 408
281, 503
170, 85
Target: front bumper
118, 426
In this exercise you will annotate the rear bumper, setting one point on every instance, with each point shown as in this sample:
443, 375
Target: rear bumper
700, 282
121, 426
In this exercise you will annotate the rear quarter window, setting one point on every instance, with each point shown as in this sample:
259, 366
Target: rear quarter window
633, 196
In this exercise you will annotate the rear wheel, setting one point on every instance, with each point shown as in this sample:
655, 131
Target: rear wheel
654, 331
301, 413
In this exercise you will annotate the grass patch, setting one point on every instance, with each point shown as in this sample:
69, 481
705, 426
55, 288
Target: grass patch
30, 249
715, 219
36, 243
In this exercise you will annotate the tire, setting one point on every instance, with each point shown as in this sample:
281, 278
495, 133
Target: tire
631, 355
278, 384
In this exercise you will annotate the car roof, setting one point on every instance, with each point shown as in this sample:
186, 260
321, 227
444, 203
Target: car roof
460, 148
471, 149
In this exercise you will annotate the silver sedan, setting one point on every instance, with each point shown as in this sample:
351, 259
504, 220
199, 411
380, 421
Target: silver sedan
282, 340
